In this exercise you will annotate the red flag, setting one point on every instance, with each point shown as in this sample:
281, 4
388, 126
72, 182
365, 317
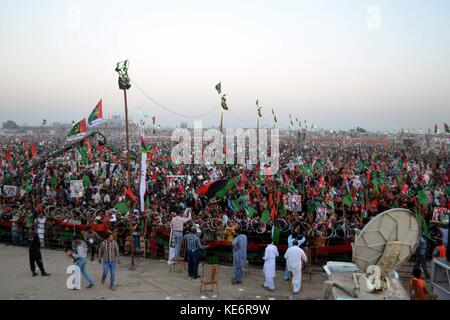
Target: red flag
8, 155
33, 150
394, 182
131, 194
181, 188
153, 175
368, 176
89, 147
286, 178
321, 181
180, 170
274, 212
271, 199
404, 188
99, 147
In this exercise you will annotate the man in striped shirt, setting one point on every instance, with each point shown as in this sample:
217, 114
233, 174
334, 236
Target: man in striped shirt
109, 252
193, 252
80, 257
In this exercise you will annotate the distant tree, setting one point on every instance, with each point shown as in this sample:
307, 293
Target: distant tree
358, 129
10, 125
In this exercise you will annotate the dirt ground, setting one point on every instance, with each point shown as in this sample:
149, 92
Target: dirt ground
150, 279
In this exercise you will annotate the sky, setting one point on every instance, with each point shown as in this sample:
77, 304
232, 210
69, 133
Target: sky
378, 64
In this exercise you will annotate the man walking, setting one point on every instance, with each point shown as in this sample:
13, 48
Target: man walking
193, 252
291, 238
239, 256
109, 252
176, 225
294, 257
91, 237
270, 271
80, 258
34, 250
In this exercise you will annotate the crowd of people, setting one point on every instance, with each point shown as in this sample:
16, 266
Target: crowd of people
336, 183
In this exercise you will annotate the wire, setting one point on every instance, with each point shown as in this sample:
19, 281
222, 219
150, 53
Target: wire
237, 118
171, 111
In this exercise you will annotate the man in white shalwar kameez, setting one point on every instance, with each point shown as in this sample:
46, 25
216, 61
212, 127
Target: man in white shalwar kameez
294, 257
270, 256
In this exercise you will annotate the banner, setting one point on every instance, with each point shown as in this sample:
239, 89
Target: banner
76, 188
143, 185
440, 215
10, 191
295, 203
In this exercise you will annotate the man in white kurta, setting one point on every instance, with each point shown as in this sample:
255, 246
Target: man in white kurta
295, 256
270, 256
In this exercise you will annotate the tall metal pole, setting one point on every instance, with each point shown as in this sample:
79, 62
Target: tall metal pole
128, 169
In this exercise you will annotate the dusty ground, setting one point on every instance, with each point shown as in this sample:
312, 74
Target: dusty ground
151, 279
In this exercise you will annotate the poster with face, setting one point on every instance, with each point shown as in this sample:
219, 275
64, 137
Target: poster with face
440, 215
9, 191
73, 166
295, 203
76, 188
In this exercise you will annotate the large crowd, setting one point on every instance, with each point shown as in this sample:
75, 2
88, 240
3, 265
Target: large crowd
338, 184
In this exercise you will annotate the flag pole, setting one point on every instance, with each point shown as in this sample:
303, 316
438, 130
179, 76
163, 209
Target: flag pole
128, 167
124, 84
221, 121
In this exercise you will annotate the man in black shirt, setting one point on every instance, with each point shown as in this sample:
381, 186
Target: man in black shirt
34, 248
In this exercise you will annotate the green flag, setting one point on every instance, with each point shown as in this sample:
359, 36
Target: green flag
347, 200
54, 180
85, 181
283, 210
276, 234
235, 205
250, 212
265, 216
423, 198
219, 88
147, 203
122, 207
84, 155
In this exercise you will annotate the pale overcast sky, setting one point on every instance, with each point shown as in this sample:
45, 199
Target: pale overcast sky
333, 63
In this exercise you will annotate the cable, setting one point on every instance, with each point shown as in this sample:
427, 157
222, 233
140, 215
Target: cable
173, 112
237, 118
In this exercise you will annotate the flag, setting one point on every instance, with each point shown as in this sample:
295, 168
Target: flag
86, 181
131, 194
33, 150
347, 200
219, 88
77, 131
217, 188
224, 102
84, 155
436, 128
447, 129
265, 216
423, 198
292, 122
122, 207
250, 212
258, 108
143, 183
276, 234
154, 119
404, 188
96, 116
88, 145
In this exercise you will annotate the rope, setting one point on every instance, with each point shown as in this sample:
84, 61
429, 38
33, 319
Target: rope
171, 111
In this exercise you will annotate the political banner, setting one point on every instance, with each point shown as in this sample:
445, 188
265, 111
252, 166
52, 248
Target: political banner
295, 203
9, 191
76, 188
440, 215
